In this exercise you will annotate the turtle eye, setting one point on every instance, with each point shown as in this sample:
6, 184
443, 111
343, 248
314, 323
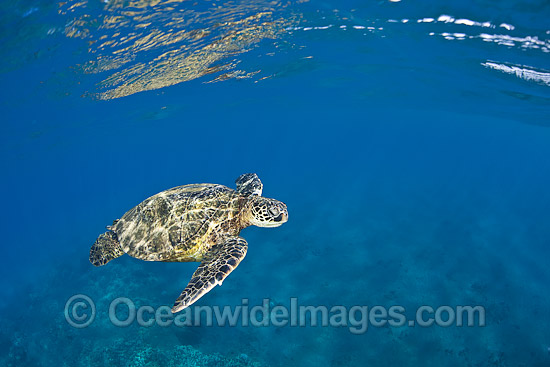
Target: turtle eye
274, 211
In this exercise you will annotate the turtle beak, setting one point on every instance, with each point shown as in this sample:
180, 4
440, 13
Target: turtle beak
282, 217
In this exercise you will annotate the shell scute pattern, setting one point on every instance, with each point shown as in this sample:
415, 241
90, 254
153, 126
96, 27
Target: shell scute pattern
178, 224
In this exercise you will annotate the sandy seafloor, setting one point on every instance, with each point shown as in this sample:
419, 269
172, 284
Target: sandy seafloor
414, 172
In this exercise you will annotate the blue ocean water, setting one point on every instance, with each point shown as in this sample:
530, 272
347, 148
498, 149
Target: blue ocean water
410, 141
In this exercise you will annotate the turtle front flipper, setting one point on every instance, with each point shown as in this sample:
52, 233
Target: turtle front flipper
221, 260
249, 184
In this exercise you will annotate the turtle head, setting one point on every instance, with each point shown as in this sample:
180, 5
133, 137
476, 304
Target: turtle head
264, 212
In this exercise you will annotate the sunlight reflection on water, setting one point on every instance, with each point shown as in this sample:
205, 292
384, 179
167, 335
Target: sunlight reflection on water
151, 44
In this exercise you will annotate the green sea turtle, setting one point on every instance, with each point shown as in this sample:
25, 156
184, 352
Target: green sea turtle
199, 222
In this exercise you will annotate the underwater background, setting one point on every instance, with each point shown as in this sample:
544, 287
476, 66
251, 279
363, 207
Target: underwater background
410, 141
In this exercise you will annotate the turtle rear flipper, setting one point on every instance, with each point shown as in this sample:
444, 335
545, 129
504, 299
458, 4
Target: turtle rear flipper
221, 260
105, 249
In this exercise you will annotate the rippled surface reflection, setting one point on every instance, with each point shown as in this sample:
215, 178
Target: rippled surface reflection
151, 44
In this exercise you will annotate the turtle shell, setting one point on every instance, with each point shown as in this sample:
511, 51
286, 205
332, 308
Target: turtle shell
180, 224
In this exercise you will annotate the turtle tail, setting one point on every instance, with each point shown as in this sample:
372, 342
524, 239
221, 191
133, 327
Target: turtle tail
105, 249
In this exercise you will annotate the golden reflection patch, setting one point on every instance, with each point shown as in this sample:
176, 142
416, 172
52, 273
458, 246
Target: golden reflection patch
147, 45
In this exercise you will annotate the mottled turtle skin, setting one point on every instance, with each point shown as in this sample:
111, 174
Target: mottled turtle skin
198, 222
